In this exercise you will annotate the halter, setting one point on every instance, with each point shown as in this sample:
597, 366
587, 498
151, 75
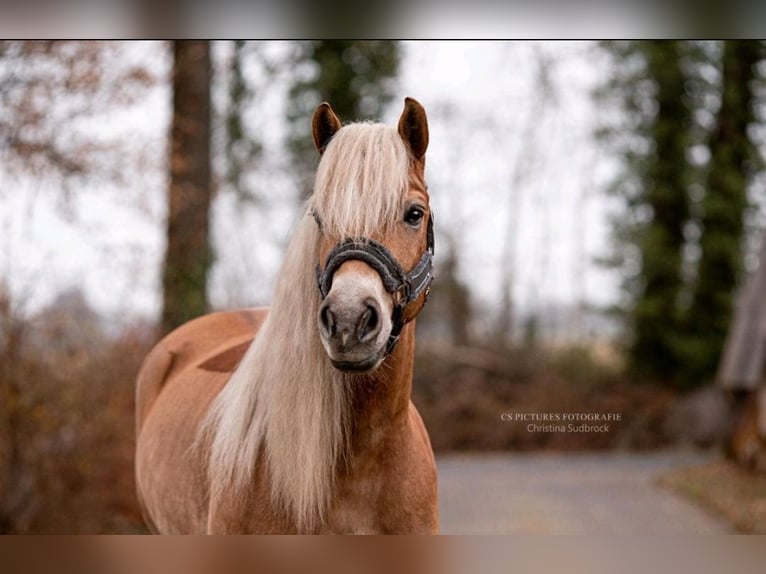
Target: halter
405, 287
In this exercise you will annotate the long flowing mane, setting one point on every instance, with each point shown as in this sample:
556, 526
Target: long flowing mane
285, 399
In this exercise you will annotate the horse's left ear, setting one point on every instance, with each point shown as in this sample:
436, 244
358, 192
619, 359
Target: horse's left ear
413, 127
324, 124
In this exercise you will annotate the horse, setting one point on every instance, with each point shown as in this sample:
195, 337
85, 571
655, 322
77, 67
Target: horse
297, 418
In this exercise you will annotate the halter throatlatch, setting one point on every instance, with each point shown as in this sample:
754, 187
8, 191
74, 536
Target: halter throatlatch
405, 287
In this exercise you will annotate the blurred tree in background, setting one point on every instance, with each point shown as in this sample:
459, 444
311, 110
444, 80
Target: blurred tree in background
656, 314
189, 255
50, 91
355, 77
678, 304
55, 365
651, 83
241, 148
734, 160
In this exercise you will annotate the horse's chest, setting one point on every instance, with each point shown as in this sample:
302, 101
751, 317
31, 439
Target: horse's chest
382, 499
357, 506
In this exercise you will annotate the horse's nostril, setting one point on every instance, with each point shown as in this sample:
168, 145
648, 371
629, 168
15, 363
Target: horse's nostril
368, 323
327, 321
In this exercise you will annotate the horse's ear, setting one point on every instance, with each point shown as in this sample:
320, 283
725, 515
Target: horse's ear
324, 124
413, 127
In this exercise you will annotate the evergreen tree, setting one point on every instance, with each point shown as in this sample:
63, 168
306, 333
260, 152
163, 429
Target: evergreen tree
651, 87
241, 148
733, 161
686, 253
354, 76
656, 313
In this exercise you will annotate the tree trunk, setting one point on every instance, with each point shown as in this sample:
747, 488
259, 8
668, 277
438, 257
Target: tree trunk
188, 256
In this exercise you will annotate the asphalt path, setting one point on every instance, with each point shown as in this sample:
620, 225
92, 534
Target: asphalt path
594, 493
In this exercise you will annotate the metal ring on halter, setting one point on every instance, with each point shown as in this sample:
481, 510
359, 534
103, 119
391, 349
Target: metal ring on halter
404, 287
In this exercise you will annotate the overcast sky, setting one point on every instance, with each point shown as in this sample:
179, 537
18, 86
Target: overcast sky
507, 158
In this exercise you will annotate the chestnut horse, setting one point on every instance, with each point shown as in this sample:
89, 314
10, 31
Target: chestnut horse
297, 418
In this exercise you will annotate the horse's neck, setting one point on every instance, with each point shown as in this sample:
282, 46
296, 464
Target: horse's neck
381, 400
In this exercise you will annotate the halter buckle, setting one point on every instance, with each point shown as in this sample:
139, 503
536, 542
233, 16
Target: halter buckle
403, 293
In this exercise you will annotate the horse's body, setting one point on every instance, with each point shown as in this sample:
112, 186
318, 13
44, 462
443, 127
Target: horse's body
239, 433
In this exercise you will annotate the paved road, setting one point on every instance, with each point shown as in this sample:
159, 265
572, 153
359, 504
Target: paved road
611, 493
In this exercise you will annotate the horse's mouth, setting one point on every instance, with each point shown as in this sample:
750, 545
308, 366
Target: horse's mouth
357, 367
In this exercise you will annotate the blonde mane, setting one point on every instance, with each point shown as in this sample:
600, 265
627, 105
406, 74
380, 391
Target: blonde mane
285, 399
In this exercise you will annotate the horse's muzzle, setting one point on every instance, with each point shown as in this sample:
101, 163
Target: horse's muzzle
354, 320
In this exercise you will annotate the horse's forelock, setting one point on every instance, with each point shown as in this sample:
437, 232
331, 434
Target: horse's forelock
361, 180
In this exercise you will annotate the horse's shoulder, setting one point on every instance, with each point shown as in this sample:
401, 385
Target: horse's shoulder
191, 345
218, 325
216, 341
242, 326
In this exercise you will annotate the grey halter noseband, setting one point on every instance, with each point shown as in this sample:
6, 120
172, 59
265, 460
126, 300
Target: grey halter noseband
405, 287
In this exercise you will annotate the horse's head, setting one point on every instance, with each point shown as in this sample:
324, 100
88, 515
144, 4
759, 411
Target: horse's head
371, 205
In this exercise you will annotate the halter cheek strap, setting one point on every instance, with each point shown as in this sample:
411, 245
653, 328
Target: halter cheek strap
405, 287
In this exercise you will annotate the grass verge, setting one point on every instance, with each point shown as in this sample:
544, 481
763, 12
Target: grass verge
725, 489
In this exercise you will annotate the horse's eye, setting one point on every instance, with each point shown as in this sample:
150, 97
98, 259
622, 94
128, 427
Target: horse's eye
414, 216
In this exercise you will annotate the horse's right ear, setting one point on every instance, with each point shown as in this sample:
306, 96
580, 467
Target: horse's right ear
324, 124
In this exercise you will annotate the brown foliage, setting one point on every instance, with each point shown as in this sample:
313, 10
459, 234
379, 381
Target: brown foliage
461, 394
66, 448
49, 91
